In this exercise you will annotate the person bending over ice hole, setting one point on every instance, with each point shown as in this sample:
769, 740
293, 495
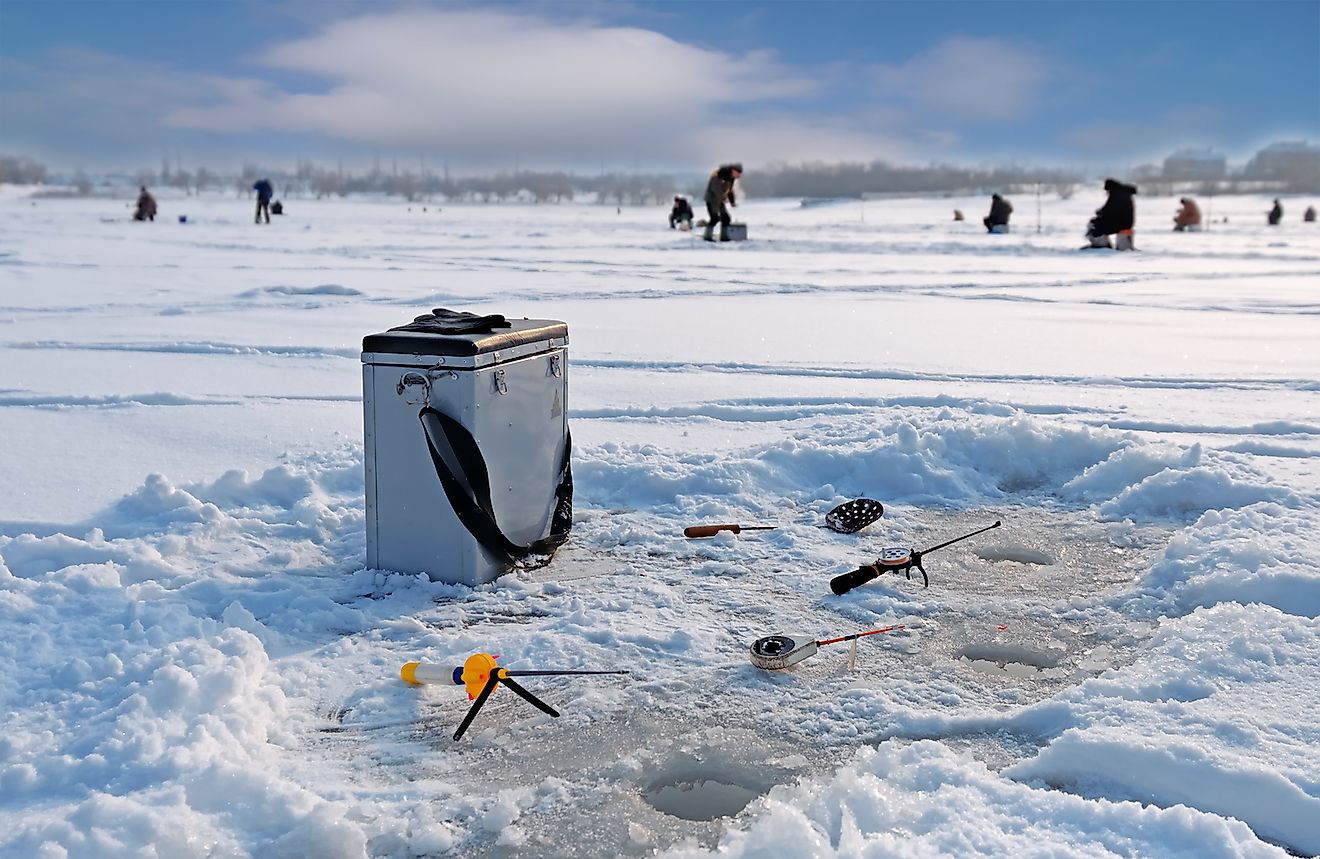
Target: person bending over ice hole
719, 190
264, 193
1000, 209
1117, 214
681, 213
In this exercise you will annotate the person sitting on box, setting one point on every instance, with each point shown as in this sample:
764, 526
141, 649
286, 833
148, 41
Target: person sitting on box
1188, 216
1276, 214
681, 213
1000, 209
1119, 213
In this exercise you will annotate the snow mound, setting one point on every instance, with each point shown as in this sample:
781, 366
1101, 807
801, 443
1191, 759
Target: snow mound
1264, 553
1185, 725
926, 800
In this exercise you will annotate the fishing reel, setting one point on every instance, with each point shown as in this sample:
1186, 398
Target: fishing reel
894, 560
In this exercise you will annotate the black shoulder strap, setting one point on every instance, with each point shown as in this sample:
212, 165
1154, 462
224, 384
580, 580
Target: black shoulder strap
466, 481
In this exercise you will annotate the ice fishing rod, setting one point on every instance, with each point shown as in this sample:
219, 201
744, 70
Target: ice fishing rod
712, 530
780, 651
848, 518
893, 559
480, 674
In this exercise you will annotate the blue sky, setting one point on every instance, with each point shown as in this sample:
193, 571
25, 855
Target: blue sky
106, 84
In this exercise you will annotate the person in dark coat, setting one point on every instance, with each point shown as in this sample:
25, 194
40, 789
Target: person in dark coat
1309, 215
1276, 214
264, 193
146, 206
1117, 214
1189, 215
681, 212
719, 190
1000, 209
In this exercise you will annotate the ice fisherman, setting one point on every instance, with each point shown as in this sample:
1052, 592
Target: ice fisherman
1309, 215
1000, 209
1188, 216
719, 190
681, 213
146, 206
1117, 214
264, 192
1276, 214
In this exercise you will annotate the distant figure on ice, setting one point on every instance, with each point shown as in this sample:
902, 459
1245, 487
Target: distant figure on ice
1188, 217
997, 220
957, 214
1276, 214
1118, 213
681, 213
1309, 215
146, 206
264, 193
719, 190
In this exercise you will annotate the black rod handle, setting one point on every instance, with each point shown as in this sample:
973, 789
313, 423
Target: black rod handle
846, 582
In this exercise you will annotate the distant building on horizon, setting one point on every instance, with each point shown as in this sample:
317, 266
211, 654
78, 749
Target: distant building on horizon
1195, 165
1294, 162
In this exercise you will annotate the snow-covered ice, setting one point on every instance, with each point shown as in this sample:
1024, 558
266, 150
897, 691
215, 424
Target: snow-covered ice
193, 661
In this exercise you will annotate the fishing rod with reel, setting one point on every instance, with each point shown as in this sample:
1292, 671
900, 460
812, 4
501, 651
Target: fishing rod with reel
893, 560
775, 652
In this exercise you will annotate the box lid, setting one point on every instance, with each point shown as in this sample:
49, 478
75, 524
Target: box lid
519, 333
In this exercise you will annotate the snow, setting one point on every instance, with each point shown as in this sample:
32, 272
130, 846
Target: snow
194, 662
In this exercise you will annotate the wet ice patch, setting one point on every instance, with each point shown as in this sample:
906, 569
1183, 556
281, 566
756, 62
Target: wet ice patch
1015, 552
323, 289
1003, 660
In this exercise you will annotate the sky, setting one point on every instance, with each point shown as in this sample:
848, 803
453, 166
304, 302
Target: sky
598, 86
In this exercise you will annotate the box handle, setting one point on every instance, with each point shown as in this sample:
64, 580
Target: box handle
408, 382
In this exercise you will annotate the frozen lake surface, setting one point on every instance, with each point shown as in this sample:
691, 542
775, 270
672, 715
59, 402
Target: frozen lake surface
194, 662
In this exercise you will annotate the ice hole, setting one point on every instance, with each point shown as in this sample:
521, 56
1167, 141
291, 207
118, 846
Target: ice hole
707, 799
705, 790
1009, 661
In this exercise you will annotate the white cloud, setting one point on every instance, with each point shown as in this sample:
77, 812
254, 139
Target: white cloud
479, 88
468, 82
966, 79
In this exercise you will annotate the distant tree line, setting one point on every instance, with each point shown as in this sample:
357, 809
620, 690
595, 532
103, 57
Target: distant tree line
21, 171
878, 177
1279, 167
